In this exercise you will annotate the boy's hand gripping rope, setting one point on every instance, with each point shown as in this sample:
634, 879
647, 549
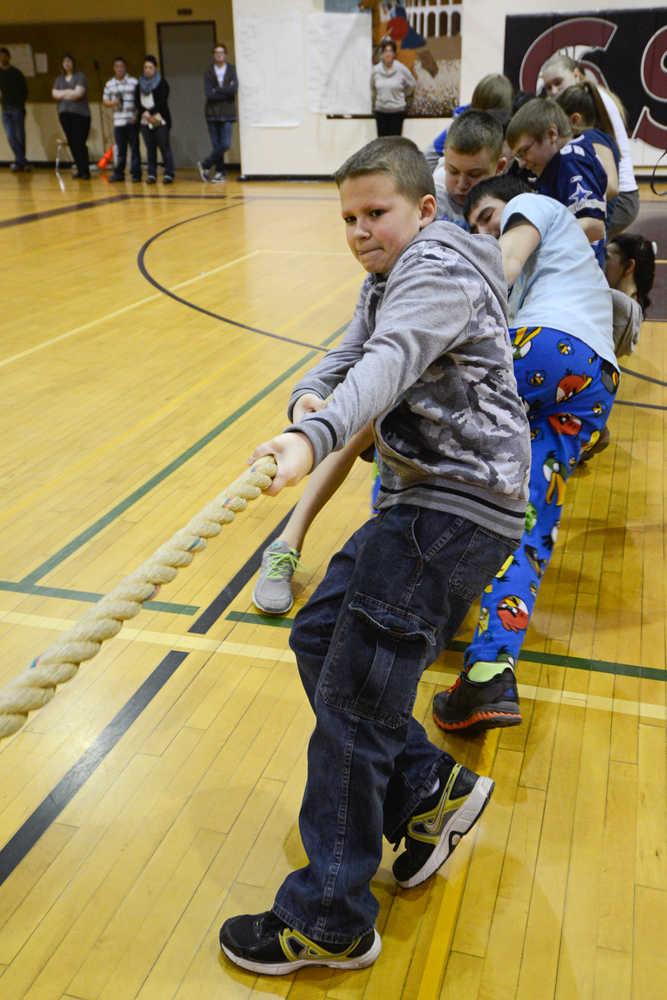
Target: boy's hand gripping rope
35, 686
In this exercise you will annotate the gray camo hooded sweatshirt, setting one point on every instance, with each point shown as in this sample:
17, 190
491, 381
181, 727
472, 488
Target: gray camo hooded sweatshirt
427, 358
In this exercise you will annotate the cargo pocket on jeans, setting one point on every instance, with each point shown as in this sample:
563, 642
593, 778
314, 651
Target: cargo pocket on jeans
374, 670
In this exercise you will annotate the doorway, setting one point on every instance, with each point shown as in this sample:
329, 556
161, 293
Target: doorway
185, 52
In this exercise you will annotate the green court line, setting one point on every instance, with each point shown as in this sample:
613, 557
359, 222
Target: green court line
553, 659
247, 616
91, 598
159, 477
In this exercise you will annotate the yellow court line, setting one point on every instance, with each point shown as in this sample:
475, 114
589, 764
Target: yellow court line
151, 418
529, 692
576, 699
451, 894
120, 438
122, 311
310, 253
318, 305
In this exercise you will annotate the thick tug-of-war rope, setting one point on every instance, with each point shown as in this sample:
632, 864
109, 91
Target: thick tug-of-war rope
36, 685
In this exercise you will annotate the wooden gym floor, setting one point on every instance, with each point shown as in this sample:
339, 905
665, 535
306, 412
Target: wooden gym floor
150, 337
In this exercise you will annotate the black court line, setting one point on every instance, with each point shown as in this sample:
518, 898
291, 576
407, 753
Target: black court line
20, 220
641, 406
25, 838
219, 604
644, 378
207, 312
50, 808
175, 197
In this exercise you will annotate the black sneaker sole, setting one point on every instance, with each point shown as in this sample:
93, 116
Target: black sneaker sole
284, 968
459, 824
482, 718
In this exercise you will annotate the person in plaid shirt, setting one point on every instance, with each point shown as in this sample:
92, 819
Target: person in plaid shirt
119, 95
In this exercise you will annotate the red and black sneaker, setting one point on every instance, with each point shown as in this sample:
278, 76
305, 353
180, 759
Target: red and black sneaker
469, 707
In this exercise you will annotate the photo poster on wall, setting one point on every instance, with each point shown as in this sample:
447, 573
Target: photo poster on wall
623, 50
428, 43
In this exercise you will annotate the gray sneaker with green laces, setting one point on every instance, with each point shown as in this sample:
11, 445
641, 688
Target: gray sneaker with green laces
273, 590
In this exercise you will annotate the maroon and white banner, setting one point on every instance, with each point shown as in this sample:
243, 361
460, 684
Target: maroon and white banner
624, 50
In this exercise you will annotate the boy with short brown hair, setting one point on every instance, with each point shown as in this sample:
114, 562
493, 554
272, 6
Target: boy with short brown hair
473, 151
567, 168
427, 360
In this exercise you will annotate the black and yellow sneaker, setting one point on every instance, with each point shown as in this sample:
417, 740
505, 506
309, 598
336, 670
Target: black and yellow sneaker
470, 707
434, 830
265, 944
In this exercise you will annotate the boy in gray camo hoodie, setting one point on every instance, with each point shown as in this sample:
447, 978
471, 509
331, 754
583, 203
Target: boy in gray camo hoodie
427, 362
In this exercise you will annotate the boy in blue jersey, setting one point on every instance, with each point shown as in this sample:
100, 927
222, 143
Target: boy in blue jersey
567, 169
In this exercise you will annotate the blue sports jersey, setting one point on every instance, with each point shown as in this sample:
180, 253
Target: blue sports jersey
604, 139
576, 178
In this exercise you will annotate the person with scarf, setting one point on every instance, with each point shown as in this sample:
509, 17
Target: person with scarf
151, 95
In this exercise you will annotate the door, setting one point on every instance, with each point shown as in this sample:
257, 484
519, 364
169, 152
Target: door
185, 52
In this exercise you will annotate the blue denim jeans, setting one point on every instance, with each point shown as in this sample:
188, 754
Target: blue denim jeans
124, 136
390, 601
220, 133
13, 120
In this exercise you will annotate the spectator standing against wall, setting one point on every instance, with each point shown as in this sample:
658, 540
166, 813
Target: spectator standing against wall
151, 95
14, 95
220, 86
71, 92
392, 86
119, 94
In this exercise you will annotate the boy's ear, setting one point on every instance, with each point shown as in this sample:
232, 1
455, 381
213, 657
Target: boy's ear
427, 210
629, 268
501, 165
575, 118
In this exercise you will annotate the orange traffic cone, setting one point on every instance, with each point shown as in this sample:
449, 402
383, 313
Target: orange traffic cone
106, 159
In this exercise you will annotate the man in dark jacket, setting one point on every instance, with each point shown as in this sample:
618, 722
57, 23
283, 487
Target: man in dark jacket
220, 86
14, 93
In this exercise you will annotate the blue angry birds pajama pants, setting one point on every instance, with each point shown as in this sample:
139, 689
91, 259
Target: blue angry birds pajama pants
568, 392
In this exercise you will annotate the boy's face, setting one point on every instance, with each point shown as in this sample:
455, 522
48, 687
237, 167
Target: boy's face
464, 170
379, 220
486, 215
536, 153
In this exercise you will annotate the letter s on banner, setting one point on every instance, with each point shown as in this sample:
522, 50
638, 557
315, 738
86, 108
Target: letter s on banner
654, 82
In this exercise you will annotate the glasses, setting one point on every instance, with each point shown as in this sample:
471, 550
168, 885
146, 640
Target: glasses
522, 152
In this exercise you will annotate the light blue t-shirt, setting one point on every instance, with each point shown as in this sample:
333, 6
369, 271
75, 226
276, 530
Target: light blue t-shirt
561, 284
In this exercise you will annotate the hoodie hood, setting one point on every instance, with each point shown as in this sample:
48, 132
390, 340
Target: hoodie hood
481, 252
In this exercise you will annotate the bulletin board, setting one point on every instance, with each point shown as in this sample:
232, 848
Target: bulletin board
89, 42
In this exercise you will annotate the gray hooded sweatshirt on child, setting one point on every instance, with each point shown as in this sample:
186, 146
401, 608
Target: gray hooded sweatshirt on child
427, 358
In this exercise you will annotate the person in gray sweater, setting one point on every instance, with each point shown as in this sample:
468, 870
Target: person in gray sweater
392, 86
427, 363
